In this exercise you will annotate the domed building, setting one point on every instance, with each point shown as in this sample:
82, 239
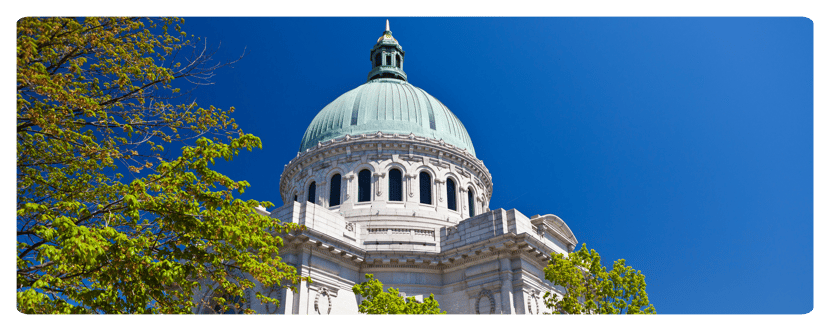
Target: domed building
387, 183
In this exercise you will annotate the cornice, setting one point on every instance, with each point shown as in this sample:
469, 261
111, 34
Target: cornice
347, 145
506, 245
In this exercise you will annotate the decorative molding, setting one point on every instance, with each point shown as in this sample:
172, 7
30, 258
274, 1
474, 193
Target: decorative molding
318, 307
409, 144
409, 178
489, 296
378, 185
533, 300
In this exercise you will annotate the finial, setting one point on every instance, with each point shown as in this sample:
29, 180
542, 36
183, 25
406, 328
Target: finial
387, 25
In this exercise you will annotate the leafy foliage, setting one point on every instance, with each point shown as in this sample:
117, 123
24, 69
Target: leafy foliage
591, 289
106, 221
379, 302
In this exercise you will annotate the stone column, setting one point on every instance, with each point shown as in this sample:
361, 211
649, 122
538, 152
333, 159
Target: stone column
287, 302
379, 184
438, 183
409, 178
461, 201
303, 289
506, 276
520, 299
322, 194
347, 187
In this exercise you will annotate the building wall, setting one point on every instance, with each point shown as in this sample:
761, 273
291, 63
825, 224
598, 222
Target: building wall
489, 263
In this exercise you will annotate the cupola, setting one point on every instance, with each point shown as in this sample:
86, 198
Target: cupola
387, 57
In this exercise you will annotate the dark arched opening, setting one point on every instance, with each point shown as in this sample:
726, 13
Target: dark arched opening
232, 305
451, 194
334, 191
364, 185
312, 192
426, 188
395, 185
471, 201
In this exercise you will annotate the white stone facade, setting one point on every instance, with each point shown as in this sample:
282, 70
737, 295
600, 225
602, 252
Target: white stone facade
380, 153
487, 264
430, 239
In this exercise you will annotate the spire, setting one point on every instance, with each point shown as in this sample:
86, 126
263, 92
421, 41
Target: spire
387, 57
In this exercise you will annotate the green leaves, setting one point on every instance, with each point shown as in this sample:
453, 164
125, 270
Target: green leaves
95, 108
379, 302
592, 289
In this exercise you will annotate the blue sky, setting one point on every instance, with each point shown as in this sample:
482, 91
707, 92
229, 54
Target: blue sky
683, 145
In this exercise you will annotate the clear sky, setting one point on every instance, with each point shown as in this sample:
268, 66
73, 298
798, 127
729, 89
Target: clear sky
682, 145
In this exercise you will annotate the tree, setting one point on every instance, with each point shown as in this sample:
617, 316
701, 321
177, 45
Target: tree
379, 302
107, 221
591, 289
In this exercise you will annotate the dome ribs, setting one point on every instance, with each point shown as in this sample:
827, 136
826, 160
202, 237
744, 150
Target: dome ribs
451, 128
416, 109
430, 113
389, 106
399, 100
409, 104
389, 110
356, 106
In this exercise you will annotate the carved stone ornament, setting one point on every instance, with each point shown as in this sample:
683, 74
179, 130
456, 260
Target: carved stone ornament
322, 302
350, 227
532, 301
486, 295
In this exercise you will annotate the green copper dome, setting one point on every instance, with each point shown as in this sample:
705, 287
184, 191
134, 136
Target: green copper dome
388, 105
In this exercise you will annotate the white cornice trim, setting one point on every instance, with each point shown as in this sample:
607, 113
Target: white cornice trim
345, 143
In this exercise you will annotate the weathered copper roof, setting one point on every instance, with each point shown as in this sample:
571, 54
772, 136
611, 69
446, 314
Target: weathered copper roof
390, 106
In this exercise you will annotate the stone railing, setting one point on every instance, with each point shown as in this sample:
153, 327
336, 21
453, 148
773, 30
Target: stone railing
401, 231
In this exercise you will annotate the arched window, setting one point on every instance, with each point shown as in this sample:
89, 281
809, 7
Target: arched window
388, 59
364, 185
334, 191
295, 197
426, 188
451, 194
398, 60
395, 185
312, 192
471, 201
232, 305
377, 59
